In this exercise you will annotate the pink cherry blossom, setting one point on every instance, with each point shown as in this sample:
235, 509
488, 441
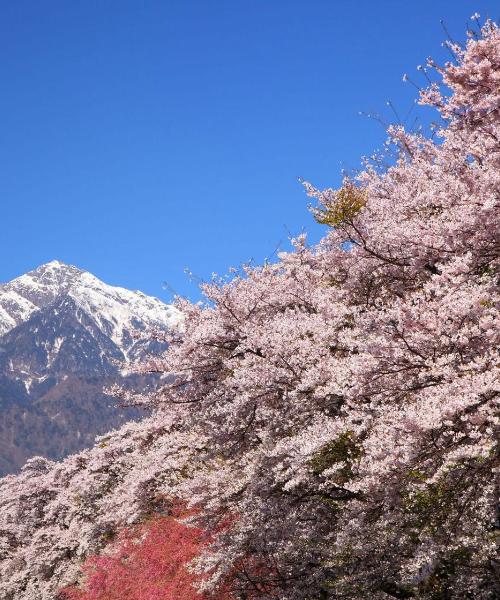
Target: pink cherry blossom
333, 417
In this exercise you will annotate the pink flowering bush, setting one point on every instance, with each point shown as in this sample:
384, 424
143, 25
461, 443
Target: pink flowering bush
336, 411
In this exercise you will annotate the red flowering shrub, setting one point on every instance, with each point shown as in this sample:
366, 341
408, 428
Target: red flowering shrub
148, 563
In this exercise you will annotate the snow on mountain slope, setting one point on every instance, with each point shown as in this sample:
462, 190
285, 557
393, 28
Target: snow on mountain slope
64, 338
116, 311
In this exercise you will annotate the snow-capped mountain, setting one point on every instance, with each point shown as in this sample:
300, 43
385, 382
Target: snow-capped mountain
116, 310
64, 337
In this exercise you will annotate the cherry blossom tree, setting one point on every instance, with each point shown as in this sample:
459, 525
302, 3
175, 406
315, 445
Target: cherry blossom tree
334, 416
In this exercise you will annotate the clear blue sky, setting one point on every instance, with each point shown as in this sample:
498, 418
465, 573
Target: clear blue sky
139, 138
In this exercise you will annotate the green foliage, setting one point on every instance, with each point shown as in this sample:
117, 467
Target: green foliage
417, 475
348, 202
345, 450
429, 505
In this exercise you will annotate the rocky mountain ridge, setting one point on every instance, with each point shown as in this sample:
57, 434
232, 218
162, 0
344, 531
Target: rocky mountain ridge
65, 336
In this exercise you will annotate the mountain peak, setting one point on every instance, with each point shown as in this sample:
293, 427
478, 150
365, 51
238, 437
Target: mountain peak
119, 307
54, 264
54, 268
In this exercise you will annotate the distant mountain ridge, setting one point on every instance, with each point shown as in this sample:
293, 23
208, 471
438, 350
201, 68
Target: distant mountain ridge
64, 335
